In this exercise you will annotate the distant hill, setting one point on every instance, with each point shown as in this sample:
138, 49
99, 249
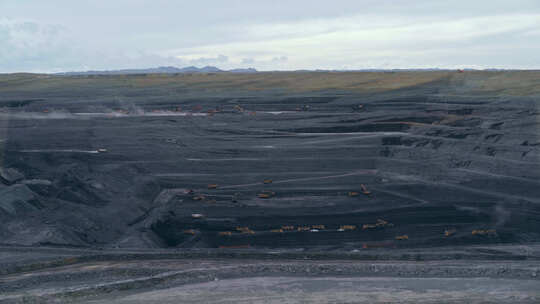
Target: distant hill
161, 70
249, 70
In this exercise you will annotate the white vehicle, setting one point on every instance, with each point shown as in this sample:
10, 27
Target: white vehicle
197, 215
314, 230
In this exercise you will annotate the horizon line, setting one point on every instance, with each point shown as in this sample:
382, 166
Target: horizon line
201, 70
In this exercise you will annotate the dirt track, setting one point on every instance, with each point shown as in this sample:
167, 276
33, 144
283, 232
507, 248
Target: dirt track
494, 274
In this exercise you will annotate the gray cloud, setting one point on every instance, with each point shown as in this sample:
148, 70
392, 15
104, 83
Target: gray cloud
280, 59
32, 46
203, 61
100, 34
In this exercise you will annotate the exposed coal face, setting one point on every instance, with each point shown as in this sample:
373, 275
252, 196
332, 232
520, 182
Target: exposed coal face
127, 162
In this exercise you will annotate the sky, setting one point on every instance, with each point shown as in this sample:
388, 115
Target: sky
67, 35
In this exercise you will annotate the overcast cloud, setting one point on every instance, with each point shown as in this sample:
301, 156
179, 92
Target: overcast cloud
67, 35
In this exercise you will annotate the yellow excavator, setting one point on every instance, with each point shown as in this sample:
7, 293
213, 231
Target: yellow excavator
449, 232
365, 190
484, 232
190, 231
266, 194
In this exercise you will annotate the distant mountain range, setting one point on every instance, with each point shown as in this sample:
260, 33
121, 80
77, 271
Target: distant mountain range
212, 69
162, 70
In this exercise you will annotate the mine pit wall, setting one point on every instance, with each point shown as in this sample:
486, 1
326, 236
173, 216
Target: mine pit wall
434, 157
